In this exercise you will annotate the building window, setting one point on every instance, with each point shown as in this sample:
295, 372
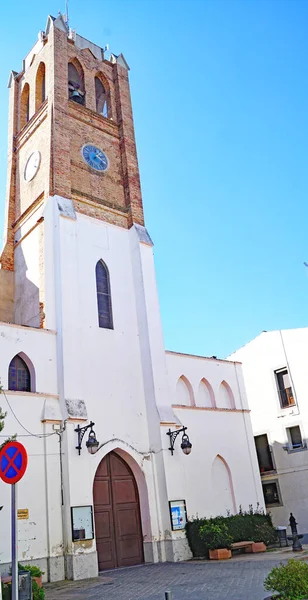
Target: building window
285, 391
101, 98
271, 492
76, 91
103, 296
19, 375
264, 454
295, 440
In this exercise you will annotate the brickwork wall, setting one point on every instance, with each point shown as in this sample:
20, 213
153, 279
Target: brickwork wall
59, 128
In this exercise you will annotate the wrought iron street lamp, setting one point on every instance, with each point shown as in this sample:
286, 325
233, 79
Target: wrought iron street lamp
92, 444
186, 445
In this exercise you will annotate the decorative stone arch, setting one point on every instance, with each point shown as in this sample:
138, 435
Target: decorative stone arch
76, 86
184, 392
30, 367
225, 396
40, 85
24, 106
206, 396
102, 95
222, 485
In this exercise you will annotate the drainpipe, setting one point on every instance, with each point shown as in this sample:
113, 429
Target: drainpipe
290, 373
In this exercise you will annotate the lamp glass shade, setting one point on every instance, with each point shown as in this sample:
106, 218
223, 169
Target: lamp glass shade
92, 443
186, 444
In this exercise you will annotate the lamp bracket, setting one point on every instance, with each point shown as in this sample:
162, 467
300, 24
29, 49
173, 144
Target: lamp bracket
81, 431
173, 435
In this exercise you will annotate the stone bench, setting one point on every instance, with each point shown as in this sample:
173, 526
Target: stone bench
249, 547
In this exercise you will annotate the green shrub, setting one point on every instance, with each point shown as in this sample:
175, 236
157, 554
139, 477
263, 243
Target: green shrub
252, 526
38, 592
215, 536
35, 571
6, 591
290, 580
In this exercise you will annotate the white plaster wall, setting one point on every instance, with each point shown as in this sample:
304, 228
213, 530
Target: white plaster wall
113, 373
213, 432
260, 358
27, 273
39, 491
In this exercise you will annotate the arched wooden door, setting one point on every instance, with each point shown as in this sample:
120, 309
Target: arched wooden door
117, 515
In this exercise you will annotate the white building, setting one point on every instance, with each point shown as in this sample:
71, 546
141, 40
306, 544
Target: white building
276, 380
81, 338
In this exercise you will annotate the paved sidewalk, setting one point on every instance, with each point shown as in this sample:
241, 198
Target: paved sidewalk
239, 579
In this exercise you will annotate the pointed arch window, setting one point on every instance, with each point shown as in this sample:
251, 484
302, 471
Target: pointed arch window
24, 105
40, 86
19, 375
103, 296
76, 91
101, 98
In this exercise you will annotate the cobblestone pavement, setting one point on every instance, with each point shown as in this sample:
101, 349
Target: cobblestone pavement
236, 580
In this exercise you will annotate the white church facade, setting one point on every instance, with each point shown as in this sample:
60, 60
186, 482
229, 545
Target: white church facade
81, 339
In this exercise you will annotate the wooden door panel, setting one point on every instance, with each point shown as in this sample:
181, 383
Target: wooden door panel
102, 493
118, 466
127, 522
106, 555
104, 525
129, 552
124, 491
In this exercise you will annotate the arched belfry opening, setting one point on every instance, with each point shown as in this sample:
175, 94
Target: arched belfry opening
101, 97
119, 539
24, 111
40, 85
76, 90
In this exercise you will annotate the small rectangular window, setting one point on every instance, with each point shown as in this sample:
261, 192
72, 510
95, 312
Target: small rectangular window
264, 453
271, 491
284, 387
295, 437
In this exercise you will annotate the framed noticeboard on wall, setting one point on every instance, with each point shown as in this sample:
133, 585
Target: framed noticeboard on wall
178, 514
82, 523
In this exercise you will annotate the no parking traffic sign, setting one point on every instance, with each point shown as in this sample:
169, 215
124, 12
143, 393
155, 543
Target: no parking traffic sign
13, 462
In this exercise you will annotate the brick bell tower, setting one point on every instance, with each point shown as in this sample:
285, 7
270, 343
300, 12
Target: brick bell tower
71, 135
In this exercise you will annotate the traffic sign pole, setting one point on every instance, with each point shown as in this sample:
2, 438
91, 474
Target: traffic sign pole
14, 545
13, 464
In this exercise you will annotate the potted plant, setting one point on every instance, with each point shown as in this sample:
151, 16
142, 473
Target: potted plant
289, 580
35, 572
217, 540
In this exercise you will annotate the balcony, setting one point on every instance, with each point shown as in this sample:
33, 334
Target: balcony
286, 397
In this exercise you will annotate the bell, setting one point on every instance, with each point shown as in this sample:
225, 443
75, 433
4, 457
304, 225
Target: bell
76, 96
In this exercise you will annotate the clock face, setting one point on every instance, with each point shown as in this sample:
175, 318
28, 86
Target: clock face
32, 165
95, 157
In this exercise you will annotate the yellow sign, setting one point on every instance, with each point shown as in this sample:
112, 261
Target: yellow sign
23, 513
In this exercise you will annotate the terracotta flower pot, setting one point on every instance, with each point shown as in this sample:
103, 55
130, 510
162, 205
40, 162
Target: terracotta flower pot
38, 580
220, 554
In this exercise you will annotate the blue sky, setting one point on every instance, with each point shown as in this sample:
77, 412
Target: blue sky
220, 99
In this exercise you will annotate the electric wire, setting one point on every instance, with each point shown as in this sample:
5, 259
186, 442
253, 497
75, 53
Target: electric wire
38, 435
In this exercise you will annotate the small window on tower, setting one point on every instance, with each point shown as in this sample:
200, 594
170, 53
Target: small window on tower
101, 98
76, 90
